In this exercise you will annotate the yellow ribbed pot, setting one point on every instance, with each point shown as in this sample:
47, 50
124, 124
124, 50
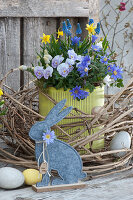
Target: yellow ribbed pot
96, 98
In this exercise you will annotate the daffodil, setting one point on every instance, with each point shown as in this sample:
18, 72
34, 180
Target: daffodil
1, 92
45, 38
101, 39
91, 29
60, 33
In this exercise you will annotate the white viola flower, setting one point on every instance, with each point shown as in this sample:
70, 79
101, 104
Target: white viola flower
78, 64
70, 63
47, 58
72, 55
107, 80
23, 67
63, 69
48, 72
99, 44
57, 60
80, 58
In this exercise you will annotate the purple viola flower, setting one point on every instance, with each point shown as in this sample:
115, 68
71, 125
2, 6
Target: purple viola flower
94, 38
96, 48
78, 30
75, 40
63, 69
48, 72
86, 60
116, 72
69, 26
70, 63
72, 55
83, 70
78, 93
57, 60
38, 71
91, 21
49, 136
104, 60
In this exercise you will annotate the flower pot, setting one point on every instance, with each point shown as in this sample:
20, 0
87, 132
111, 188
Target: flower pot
96, 98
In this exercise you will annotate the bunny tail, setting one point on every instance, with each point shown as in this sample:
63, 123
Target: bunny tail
83, 175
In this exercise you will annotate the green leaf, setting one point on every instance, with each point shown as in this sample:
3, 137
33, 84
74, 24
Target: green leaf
3, 112
45, 85
119, 83
1, 103
104, 42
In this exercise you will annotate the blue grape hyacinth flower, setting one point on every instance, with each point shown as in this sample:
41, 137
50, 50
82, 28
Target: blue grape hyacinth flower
97, 30
69, 26
64, 27
91, 21
78, 30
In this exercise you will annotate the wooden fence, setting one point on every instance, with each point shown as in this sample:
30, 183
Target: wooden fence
22, 23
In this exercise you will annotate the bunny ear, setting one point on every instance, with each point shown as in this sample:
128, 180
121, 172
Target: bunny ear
54, 116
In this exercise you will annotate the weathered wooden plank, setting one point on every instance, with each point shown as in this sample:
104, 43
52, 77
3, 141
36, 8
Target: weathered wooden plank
33, 30
79, 185
10, 49
48, 8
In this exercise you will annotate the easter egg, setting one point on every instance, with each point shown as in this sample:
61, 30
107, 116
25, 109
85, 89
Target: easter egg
32, 176
120, 141
95, 110
10, 178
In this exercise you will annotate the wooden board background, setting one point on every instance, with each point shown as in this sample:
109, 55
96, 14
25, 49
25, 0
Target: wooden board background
22, 23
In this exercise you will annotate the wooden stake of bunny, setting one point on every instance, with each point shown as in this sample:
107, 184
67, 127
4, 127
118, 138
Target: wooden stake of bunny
56, 155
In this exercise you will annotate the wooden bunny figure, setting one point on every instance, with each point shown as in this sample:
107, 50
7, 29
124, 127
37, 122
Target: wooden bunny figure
56, 155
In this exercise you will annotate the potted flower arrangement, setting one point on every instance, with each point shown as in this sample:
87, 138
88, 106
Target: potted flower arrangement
75, 69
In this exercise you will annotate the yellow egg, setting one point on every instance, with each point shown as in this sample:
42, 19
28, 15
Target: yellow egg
32, 176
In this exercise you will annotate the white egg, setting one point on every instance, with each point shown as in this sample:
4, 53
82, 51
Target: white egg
120, 141
95, 110
10, 178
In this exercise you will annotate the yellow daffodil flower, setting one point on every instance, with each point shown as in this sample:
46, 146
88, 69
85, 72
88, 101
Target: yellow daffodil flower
1, 92
90, 28
45, 38
60, 33
101, 39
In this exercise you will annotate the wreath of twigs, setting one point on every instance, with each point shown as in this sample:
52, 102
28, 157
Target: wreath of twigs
115, 116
